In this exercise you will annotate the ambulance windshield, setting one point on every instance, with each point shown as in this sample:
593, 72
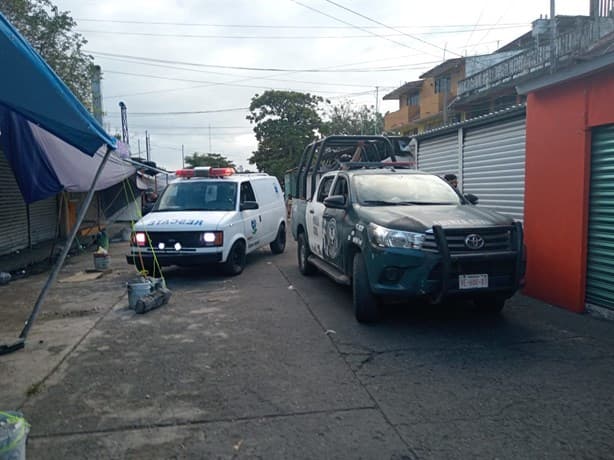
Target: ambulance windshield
198, 196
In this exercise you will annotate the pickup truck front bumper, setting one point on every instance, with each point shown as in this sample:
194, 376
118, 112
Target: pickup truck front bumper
174, 258
414, 273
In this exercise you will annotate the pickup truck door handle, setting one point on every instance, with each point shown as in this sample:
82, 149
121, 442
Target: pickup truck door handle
311, 211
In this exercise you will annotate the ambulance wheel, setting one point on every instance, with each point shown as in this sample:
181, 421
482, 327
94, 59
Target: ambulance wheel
235, 263
366, 305
278, 245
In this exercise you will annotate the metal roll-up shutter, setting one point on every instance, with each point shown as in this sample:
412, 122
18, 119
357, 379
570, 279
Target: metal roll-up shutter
439, 155
600, 259
43, 220
494, 166
13, 214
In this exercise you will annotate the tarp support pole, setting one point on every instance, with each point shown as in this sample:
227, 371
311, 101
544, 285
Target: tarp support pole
66, 249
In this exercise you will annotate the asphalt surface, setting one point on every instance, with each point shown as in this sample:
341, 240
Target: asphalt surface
271, 364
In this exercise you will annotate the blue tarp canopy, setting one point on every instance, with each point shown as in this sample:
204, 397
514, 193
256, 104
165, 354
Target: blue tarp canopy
40, 118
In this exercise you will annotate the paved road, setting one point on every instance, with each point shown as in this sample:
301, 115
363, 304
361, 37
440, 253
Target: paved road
271, 364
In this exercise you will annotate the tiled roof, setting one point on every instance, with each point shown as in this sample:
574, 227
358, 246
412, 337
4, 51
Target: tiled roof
444, 67
412, 86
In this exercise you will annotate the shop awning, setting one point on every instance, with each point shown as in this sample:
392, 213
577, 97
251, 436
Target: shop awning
50, 140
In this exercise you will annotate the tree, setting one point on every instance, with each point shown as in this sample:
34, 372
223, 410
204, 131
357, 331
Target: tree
50, 32
285, 122
215, 160
344, 118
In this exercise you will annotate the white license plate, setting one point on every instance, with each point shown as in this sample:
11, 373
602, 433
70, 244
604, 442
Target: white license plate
472, 281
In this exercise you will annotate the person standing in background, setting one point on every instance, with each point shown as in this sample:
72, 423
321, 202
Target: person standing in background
452, 180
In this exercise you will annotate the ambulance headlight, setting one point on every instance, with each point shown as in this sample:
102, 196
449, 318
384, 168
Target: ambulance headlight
177, 246
212, 239
139, 239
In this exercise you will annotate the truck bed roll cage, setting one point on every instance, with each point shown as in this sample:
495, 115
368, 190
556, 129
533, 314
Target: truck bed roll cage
334, 152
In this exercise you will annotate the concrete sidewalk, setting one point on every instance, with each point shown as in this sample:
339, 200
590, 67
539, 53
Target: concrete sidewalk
71, 310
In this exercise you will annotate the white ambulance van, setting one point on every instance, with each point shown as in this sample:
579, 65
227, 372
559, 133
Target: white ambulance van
211, 216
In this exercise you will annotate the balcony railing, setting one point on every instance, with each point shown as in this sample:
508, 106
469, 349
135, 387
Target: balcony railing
536, 59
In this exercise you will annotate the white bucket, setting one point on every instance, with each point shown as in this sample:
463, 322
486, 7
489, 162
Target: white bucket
136, 290
101, 261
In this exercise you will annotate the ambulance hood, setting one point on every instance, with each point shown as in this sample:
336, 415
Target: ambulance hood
183, 220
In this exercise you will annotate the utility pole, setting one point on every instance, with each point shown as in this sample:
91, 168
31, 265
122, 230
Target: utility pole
124, 116
147, 146
182, 157
376, 109
210, 138
552, 36
446, 84
97, 93
139, 146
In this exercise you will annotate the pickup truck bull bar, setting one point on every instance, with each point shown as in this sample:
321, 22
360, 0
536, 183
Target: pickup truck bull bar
446, 258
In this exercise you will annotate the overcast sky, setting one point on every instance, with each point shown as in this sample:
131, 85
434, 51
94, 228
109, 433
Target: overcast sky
161, 56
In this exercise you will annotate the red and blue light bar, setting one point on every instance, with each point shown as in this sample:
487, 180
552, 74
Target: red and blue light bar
205, 171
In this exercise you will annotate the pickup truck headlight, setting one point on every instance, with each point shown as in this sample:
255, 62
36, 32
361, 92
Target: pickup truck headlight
387, 238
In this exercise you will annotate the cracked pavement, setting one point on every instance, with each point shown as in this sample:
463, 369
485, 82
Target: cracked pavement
271, 364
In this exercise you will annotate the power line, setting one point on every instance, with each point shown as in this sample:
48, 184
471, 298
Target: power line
146, 61
153, 114
171, 133
498, 20
232, 84
476, 26
418, 66
164, 127
353, 25
255, 69
206, 84
269, 26
212, 72
279, 37
387, 26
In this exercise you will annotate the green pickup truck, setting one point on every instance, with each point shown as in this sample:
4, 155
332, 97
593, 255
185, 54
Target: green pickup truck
377, 224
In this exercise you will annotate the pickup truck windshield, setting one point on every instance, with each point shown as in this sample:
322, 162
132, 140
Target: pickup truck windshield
403, 189
198, 196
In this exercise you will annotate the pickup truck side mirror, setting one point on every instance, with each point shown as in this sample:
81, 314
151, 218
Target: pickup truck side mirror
335, 202
247, 205
471, 198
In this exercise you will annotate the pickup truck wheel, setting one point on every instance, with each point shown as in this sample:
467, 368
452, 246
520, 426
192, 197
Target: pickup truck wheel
278, 245
303, 253
489, 305
235, 263
366, 308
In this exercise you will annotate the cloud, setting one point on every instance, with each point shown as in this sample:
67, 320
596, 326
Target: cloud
446, 23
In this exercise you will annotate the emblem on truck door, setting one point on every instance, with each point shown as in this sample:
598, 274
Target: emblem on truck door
331, 242
474, 241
